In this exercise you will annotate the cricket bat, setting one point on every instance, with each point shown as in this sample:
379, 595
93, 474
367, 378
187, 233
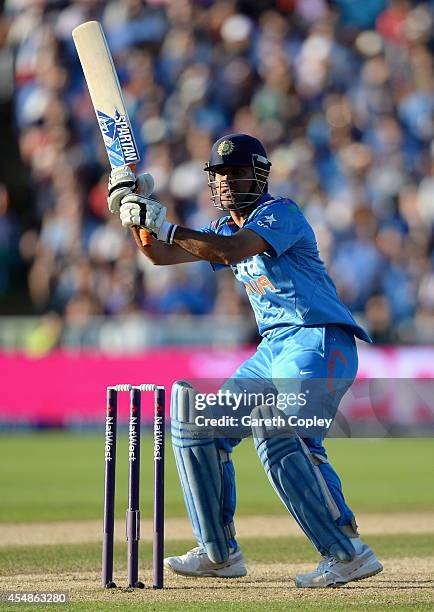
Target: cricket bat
107, 99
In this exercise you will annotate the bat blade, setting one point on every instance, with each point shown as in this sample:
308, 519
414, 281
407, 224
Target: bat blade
106, 94
107, 99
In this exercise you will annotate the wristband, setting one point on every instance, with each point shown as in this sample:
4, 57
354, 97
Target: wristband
166, 232
171, 234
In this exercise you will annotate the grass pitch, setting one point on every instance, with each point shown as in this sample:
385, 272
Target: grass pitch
54, 477
59, 476
406, 583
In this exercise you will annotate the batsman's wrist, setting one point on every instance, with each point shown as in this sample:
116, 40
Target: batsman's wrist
167, 232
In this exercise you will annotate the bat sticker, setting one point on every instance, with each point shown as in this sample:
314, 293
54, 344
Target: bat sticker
118, 139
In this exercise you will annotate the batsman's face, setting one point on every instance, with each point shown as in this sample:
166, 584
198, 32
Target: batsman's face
232, 184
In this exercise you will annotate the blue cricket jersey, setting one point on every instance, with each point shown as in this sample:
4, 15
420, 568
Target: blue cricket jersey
288, 284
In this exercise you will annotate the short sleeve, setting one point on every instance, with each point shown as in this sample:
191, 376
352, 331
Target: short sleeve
280, 224
213, 228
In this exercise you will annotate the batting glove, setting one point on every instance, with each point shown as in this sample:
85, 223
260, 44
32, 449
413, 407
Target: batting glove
150, 214
123, 182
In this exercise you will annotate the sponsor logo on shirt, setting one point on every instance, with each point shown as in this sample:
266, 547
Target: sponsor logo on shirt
249, 268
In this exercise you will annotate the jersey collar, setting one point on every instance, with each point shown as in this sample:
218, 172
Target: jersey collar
265, 199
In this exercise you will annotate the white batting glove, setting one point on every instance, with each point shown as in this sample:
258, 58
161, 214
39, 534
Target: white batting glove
149, 214
122, 182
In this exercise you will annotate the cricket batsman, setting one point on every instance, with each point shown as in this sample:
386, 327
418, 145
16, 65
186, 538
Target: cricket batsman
307, 334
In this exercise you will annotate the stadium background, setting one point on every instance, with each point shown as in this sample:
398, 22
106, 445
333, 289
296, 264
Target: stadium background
341, 93
342, 97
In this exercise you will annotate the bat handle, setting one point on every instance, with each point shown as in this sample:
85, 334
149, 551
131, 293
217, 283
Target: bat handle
145, 236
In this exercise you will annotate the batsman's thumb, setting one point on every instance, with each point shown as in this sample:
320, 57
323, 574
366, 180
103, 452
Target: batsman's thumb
145, 184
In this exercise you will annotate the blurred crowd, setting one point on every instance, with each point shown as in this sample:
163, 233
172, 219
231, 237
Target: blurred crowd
340, 92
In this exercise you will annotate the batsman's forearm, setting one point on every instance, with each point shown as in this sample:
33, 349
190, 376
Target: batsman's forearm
209, 247
150, 250
160, 253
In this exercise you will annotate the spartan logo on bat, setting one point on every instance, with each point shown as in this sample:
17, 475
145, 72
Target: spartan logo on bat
118, 139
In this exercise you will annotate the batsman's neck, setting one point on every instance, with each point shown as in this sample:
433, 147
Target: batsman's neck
240, 216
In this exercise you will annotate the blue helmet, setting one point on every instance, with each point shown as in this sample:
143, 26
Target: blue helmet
238, 150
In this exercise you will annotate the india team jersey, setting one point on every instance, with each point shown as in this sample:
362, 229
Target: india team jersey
287, 285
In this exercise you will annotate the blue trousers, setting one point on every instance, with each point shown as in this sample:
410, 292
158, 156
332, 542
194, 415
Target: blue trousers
328, 353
